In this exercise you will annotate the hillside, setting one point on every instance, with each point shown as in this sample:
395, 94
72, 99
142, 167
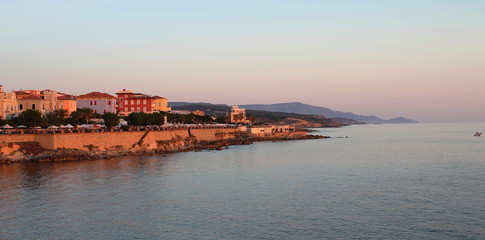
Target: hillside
301, 108
268, 117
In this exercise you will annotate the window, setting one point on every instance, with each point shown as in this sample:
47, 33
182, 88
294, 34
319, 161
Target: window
21, 107
137, 109
138, 102
121, 105
144, 101
121, 98
132, 102
144, 109
95, 102
90, 102
132, 109
109, 102
126, 109
33, 106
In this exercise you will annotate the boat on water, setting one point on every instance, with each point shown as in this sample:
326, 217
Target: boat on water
478, 134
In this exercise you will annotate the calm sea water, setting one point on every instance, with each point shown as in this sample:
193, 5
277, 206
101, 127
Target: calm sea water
415, 181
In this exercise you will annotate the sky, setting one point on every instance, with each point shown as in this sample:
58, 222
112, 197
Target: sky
420, 59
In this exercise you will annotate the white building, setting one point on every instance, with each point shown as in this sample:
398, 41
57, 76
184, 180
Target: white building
271, 130
100, 102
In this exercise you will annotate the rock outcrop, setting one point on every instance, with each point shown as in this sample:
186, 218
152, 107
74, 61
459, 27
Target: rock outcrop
33, 152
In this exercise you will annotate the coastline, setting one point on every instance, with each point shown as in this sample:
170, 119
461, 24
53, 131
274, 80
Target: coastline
18, 152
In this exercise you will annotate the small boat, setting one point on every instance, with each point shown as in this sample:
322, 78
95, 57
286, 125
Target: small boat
478, 134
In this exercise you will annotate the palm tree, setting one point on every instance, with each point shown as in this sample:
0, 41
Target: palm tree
86, 114
60, 113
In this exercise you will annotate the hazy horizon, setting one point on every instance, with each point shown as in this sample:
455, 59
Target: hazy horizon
422, 60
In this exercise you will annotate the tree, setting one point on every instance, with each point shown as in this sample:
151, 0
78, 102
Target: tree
251, 118
158, 118
85, 114
111, 119
135, 118
53, 119
222, 119
147, 118
30, 118
75, 118
60, 113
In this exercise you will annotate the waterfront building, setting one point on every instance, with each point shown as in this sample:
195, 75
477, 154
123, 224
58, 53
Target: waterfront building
238, 115
282, 128
8, 104
261, 130
129, 102
68, 102
270, 130
45, 101
100, 102
34, 102
161, 104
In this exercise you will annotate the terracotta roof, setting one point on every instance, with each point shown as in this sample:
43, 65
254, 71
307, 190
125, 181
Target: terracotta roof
92, 95
21, 93
29, 97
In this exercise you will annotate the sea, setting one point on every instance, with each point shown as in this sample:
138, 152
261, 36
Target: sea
408, 181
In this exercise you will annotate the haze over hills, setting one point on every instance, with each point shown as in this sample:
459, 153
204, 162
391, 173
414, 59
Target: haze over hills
301, 108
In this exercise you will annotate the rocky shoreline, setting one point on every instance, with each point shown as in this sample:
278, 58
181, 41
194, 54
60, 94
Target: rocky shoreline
32, 152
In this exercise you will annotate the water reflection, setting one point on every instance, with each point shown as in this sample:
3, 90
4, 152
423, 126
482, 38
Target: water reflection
378, 182
34, 176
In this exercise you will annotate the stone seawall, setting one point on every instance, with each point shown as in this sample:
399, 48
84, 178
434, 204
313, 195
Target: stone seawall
108, 140
14, 138
127, 139
95, 145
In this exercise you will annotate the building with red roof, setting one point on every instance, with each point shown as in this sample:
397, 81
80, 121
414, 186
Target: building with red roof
129, 102
98, 101
34, 102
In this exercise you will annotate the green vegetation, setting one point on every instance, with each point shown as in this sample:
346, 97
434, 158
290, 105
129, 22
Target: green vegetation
111, 119
142, 119
34, 118
30, 118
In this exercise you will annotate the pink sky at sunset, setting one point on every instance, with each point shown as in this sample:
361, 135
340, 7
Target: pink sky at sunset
423, 60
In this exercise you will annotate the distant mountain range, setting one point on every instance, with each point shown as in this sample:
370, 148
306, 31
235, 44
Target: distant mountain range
301, 108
